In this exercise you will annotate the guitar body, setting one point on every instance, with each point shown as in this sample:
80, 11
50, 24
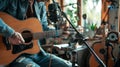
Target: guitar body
100, 50
31, 25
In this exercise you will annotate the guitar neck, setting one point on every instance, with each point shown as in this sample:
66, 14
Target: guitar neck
46, 34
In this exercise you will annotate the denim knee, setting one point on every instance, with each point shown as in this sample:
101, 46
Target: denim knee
54, 61
24, 62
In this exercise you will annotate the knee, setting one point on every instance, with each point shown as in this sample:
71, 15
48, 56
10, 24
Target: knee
24, 62
16, 64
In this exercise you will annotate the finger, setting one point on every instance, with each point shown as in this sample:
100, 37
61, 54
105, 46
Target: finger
14, 41
11, 41
19, 36
22, 39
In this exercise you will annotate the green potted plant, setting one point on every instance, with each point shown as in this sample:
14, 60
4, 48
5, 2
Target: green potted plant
93, 27
92, 31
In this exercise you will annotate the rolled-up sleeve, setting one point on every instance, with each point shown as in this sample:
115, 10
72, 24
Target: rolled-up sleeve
5, 30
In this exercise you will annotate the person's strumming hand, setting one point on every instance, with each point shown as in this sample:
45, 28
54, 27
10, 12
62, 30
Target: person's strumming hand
16, 39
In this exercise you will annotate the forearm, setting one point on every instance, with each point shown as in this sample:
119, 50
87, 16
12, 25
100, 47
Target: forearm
5, 30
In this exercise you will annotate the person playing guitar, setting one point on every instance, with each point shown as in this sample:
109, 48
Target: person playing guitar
12, 36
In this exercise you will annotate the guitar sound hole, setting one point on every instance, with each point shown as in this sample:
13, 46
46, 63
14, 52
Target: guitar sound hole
27, 35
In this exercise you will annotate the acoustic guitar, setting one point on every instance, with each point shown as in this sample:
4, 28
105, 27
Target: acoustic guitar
101, 50
31, 30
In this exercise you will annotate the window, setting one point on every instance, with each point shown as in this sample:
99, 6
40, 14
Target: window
70, 8
92, 8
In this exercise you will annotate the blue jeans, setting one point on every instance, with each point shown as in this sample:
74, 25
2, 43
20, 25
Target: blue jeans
48, 60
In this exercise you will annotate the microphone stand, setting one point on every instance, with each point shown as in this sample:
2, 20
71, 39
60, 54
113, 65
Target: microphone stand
58, 11
56, 6
81, 38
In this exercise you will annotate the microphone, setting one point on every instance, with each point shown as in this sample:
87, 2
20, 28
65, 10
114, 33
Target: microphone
54, 12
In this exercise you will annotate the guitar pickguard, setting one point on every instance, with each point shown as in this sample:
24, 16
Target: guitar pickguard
16, 48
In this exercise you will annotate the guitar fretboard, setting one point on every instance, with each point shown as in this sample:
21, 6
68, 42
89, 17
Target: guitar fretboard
47, 34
